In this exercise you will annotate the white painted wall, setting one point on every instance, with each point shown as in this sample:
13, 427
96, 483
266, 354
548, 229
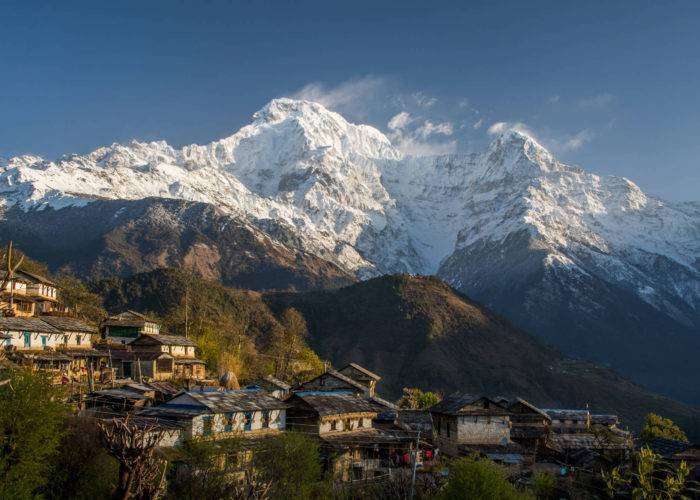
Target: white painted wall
356, 423
52, 340
219, 422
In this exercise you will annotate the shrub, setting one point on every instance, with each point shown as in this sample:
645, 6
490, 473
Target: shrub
475, 478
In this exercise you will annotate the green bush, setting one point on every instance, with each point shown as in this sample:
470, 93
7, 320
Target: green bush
656, 426
544, 485
291, 463
475, 478
31, 426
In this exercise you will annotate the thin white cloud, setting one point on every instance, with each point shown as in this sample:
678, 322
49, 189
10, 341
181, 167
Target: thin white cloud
501, 127
553, 99
463, 103
596, 102
399, 121
577, 141
429, 128
344, 95
477, 124
421, 138
497, 128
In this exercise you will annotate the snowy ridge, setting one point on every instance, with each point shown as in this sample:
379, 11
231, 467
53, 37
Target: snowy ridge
352, 198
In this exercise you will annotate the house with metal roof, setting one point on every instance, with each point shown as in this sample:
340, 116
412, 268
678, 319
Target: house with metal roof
220, 414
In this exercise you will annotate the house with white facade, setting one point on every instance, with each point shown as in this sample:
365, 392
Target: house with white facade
219, 414
55, 343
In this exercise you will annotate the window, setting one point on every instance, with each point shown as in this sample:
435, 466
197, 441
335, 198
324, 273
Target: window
78, 339
334, 425
206, 426
265, 419
346, 424
65, 340
27, 339
229, 421
247, 421
43, 341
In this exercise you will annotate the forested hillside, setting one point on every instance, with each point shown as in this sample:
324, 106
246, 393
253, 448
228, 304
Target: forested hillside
414, 331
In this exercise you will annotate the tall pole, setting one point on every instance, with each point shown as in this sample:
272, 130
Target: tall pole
187, 309
415, 465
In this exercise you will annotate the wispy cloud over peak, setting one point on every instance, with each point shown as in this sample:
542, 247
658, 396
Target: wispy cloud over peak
346, 96
577, 141
429, 128
399, 121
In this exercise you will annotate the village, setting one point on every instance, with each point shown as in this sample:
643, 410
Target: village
128, 369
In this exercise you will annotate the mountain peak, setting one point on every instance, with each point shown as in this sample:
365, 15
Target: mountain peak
282, 108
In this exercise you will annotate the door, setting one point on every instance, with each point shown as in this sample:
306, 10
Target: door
126, 369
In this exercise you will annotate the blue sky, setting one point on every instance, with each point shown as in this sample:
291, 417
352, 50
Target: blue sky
611, 86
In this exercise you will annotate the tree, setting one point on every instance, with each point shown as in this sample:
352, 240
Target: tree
134, 447
649, 477
31, 422
471, 477
293, 359
415, 399
656, 426
544, 485
203, 470
84, 469
291, 463
75, 295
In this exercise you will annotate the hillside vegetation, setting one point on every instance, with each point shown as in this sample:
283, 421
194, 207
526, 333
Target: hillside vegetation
419, 332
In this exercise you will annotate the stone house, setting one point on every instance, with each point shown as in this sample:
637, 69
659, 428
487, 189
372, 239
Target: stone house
332, 380
353, 445
77, 343
186, 365
271, 385
362, 375
569, 421
219, 415
127, 326
530, 426
60, 345
27, 294
464, 419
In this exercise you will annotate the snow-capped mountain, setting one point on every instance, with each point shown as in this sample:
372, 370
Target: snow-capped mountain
540, 240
